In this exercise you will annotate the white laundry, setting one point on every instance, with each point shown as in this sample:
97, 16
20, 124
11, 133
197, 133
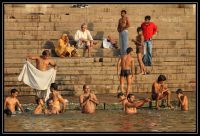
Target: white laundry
40, 80
107, 44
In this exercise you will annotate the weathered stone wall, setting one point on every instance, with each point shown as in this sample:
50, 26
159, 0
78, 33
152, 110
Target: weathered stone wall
31, 28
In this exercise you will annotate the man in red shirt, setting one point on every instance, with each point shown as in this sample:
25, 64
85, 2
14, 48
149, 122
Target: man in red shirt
149, 29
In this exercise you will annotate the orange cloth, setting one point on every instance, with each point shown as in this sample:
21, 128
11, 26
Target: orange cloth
63, 47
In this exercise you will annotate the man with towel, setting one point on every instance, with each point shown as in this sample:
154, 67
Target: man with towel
40, 77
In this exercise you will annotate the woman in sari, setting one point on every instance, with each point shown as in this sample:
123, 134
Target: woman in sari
64, 49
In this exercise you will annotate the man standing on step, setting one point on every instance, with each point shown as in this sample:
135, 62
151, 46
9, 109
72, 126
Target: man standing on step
126, 62
42, 63
122, 28
149, 29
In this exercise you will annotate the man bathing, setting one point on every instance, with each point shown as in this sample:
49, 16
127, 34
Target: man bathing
129, 104
182, 100
11, 102
56, 103
88, 100
39, 109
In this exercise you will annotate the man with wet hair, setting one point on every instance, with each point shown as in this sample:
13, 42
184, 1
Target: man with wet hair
123, 25
39, 109
11, 102
129, 104
182, 100
160, 91
126, 63
59, 104
88, 100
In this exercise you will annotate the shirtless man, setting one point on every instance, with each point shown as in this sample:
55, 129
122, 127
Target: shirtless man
129, 106
11, 102
122, 28
160, 91
182, 100
126, 62
88, 100
56, 100
139, 42
40, 106
42, 63
50, 108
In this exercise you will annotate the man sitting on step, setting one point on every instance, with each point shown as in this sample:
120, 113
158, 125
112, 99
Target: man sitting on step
84, 39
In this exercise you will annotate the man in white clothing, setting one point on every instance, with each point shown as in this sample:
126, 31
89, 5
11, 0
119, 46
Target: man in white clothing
84, 39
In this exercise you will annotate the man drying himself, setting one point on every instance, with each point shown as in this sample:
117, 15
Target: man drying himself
42, 63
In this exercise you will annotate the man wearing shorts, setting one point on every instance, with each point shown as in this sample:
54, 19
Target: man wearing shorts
126, 62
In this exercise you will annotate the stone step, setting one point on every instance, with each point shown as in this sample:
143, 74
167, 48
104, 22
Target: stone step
77, 60
100, 89
50, 8
31, 28
104, 52
95, 81
51, 45
102, 81
60, 14
96, 26
112, 78
156, 43
109, 70
160, 64
97, 35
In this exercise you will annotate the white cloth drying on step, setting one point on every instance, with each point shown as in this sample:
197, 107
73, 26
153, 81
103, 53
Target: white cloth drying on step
107, 44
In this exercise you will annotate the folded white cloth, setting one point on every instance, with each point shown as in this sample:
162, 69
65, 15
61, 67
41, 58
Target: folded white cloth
40, 80
107, 44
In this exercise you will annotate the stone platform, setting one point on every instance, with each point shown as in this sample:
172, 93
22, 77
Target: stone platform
31, 28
